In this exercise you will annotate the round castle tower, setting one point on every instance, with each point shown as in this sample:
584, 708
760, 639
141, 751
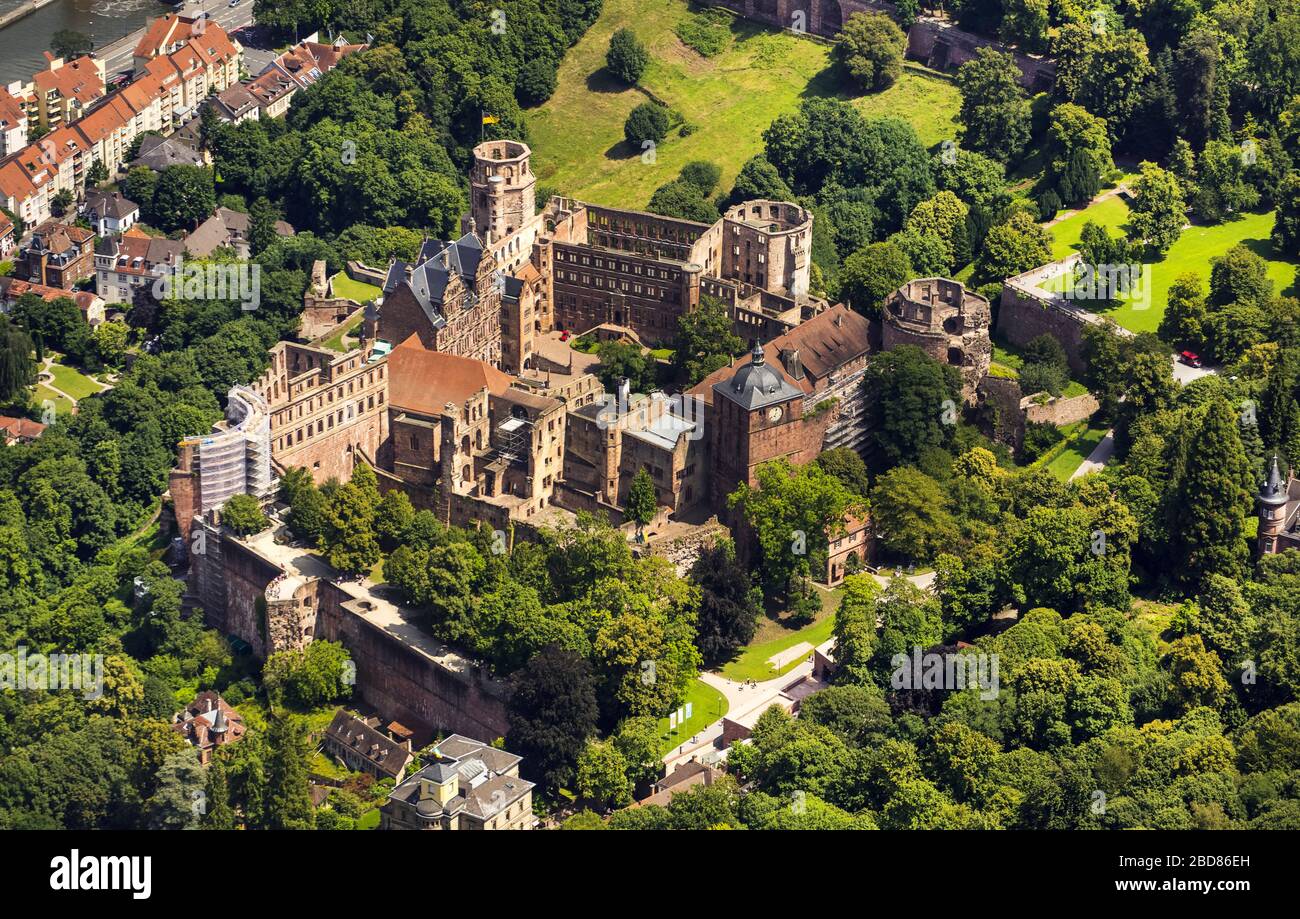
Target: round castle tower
1273, 495
503, 189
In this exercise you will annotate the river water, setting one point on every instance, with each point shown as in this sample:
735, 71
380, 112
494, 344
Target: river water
21, 44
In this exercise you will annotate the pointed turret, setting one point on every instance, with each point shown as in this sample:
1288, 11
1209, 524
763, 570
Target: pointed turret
1274, 491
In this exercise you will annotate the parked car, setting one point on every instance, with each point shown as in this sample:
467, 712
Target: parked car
1190, 358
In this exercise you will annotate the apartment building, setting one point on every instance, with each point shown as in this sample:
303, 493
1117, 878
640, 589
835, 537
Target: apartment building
13, 124
127, 266
65, 91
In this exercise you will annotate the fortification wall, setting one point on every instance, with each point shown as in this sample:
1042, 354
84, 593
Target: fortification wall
405, 684
1062, 411
1023, 316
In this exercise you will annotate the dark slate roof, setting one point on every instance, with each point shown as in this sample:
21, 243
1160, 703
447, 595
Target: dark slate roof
511, 288
756, 385
433, 271
396, 274
1274, 490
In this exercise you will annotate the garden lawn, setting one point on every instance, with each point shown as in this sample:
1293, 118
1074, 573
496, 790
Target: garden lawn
62, 405
1192, 253
1079, 449
74, 383
729, 100
752, 664
335, 340
707, 706
359, 291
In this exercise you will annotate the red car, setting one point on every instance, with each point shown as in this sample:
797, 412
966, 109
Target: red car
1190, 359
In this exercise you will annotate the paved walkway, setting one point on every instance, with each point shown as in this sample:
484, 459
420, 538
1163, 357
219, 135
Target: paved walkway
922, 581
1098, 458
742, 699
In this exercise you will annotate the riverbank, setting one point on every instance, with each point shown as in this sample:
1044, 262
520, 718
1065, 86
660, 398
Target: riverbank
26, 9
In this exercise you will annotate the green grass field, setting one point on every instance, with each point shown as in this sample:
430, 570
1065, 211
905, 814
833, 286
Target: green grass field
359, 291
1192, 252
730, 99
1078, 448
73, 382
707, 706
335, 339
62, 406
752, 664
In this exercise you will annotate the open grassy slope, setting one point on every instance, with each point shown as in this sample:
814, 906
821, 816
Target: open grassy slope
729, 99
1192, 252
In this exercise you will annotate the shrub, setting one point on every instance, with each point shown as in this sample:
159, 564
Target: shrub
646, 122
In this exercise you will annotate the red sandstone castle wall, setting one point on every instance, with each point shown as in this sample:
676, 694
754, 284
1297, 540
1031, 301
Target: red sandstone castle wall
403, 684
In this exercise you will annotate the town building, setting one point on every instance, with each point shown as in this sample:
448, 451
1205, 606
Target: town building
227, 229
207, 723
13, 124
65, 91
19, 430
57, 255
464, 785
158, 153
7, 234
683, 778
110, 213
127, 266
91, 305
362, 747
176, 66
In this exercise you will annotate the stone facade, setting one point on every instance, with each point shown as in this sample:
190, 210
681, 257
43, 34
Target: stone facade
610, 441
451, 298
1028, 309
768, 244
328, 409
944, 320
322, 312
462, 429
275, 597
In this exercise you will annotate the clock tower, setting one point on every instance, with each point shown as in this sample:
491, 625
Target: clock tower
757, 416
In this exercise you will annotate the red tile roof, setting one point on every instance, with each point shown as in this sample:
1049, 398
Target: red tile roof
20, 428
77, 79
424, 381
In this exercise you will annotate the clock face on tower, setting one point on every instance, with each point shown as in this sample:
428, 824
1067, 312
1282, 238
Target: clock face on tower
774, 414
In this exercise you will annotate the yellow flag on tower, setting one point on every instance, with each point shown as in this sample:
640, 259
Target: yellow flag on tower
491, 119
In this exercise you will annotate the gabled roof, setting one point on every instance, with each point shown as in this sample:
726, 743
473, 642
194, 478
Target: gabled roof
424, 381
377, 748
159, 152
110, 204
827, 341
437, 263
77, 79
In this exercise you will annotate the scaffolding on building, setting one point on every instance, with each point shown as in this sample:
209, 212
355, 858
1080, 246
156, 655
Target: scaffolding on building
513, 438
